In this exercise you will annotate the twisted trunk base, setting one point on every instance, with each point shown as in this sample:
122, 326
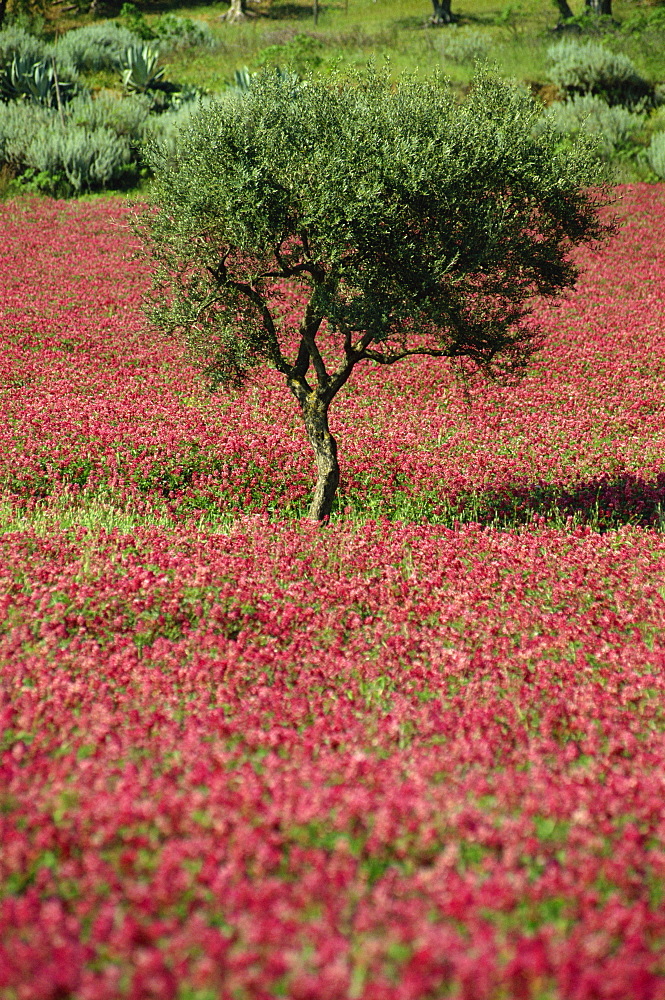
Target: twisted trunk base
315, 413
442, 13
236, 12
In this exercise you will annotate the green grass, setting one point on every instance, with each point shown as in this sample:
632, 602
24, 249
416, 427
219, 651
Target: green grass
95, 512
103, 509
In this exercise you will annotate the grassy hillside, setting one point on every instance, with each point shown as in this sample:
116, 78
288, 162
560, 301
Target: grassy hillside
514, 36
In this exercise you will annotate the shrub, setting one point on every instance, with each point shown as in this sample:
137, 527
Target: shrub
124, 116
68, 158
588, 68
19, 123
135, 20
613, 128
16, 42
174, 32
95, 46
464, 46
302, 53
644, 19
77, 158
656, 154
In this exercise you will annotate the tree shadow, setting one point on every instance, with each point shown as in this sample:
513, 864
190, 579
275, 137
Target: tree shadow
603, 503
286, 11
484, 19
409, 23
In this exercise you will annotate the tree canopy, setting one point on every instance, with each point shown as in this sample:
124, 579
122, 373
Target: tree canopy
409, 223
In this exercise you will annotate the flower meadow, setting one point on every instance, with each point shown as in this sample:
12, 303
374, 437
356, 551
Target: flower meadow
419, 754
95, 401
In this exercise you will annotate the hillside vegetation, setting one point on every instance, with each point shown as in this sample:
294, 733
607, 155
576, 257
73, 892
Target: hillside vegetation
140, 74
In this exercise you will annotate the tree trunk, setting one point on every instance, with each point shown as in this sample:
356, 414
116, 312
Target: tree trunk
236, 12
316, 11
603, 8
315, 413
442, 13
565, 12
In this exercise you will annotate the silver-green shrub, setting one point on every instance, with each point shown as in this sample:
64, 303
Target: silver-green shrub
124, 116
580, 68
87, 159
95, 46
462, 45
19, 123
656, 154
613, 128
17, 42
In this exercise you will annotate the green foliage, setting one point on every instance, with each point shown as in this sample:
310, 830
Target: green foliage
166, 127
98, 46
645, 19
135, 22
27, 14
613, 128
301, 53
242, 80
140, 72
656, 154
588, 22
175, 32
170, 31
589, 68
464, 45
411, 222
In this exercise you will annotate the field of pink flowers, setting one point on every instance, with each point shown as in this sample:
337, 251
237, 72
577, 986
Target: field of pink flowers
417, 755
92, 399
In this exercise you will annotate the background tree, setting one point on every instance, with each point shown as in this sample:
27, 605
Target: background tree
410, 226
31, 11
595, 8
236, 12
442, 13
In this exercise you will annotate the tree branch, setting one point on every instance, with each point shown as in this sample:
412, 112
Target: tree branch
221, 275
288, 272
307, 267
274, 351
390, 359
303, 361
339, 378
308, 331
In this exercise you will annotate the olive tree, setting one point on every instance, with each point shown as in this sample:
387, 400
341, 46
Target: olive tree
408, 224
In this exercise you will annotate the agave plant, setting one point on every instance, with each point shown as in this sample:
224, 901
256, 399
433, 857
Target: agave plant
25, 79
242, 80
140, 72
